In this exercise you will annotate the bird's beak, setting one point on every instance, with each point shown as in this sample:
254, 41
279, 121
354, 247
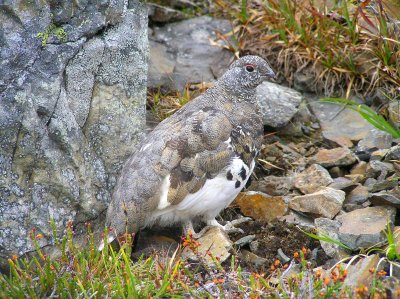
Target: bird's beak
270, 74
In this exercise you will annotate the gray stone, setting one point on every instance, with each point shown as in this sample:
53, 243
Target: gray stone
364, 228
278, 103
393, 153
378, 155
329, 227
186, 46
360, 275
339, 125
162, 14
387, 198
273, 185
326, 202
358, 195
244, 240
375, 140
389, 183
298, 219
70, 113
340, 156
312, 179
342, 183
378, 170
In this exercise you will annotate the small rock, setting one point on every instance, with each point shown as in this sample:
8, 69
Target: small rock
375, 140
273, 185
359, 274
245, 240
163, 14
253, 259
214, 241
378, 170
393, 109
387, 198
327, 202
358, 195
337, 172
389, 183
298, 219
359, 168
378, 155
364, 228
312, 179
331, 228
342, 183
260, 206
254, 245
282, 256
340, 156
278, 103
355, 178
332, 119
393, 153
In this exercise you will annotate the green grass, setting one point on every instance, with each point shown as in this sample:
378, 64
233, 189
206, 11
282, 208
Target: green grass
84, 272
370, 115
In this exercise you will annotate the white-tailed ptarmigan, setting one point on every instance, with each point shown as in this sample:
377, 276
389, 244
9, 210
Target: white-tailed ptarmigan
194, 163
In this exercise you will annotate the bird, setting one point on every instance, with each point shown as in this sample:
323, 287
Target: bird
195, 162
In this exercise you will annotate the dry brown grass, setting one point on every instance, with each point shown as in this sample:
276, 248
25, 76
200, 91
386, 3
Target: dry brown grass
340, 49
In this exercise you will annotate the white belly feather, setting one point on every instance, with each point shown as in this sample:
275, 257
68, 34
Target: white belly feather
215, 195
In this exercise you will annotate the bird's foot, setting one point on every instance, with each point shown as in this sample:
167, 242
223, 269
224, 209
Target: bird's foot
229, 227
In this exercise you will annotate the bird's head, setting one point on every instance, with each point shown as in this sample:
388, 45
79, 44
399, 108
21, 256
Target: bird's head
245, 74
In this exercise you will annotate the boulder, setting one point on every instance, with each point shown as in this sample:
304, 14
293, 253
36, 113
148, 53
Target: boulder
72, 110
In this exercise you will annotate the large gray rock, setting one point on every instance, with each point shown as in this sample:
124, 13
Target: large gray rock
181, 53
364, 228
70, 112
332, 119
278, 103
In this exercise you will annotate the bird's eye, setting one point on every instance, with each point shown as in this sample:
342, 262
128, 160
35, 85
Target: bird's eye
249, 68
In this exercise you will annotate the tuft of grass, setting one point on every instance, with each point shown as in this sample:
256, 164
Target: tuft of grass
344, 47
370, 115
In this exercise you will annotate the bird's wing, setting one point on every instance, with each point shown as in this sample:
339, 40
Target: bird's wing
198, 152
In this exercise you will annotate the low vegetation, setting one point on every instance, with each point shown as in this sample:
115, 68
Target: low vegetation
87, 273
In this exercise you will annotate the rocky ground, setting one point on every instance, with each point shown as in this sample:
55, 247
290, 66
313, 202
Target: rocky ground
322, 169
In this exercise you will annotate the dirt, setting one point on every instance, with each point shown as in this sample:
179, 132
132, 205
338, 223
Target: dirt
280, 235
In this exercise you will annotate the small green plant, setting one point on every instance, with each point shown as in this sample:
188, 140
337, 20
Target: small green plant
370, 115
52, 30
325, 238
